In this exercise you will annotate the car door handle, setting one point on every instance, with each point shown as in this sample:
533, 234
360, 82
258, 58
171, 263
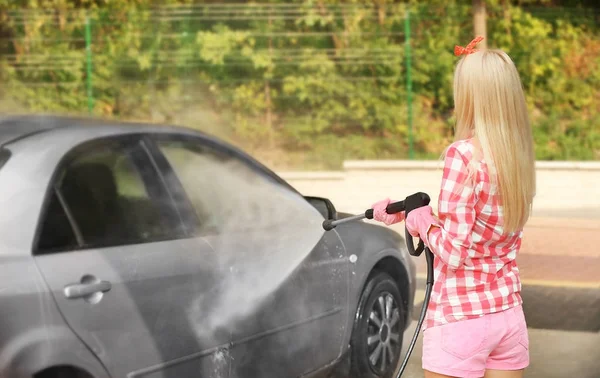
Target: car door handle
86, 289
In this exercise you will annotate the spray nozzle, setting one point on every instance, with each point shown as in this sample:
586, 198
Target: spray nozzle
410, 203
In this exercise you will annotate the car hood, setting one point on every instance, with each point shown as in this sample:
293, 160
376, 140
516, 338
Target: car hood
343, 215
368, 235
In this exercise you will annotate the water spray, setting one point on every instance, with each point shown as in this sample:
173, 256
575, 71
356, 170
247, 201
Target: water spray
410, 203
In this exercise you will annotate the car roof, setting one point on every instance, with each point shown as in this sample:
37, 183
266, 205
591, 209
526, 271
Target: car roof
20, 127
13, 128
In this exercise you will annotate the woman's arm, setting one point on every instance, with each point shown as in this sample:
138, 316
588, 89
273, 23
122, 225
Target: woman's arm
456, 211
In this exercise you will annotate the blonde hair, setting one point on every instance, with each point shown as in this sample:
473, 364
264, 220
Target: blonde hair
490, 107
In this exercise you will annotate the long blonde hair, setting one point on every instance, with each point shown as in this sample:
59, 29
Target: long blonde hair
490, 107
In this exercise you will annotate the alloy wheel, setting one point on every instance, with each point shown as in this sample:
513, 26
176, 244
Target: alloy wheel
384, 333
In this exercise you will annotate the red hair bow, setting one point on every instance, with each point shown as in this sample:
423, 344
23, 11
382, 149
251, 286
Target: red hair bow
459, 50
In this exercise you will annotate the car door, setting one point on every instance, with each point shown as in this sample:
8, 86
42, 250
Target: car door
127, 277
285, 290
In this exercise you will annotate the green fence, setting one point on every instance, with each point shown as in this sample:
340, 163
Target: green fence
276, 74
291, 54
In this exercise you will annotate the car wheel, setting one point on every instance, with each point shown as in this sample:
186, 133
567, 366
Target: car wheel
376, 341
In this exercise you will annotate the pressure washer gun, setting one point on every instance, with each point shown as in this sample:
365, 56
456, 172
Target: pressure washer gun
410, 203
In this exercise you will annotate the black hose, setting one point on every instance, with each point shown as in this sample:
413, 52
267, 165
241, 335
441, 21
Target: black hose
411, 202
428, 287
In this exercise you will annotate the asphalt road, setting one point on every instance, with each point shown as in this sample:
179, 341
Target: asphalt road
553, 354
560, 265
551, 307
561, 293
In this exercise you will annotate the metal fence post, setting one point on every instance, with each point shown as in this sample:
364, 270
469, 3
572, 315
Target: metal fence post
408, 84
88, 49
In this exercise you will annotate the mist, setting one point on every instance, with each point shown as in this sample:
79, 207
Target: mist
260, 236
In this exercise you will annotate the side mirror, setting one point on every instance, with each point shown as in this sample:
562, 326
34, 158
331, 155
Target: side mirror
324, 206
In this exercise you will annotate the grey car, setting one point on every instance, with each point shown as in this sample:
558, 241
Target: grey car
138, 250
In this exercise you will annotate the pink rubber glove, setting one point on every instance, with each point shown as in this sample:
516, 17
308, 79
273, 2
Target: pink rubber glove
380, 215
419, 222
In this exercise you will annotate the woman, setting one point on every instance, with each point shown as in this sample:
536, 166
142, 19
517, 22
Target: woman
475, 326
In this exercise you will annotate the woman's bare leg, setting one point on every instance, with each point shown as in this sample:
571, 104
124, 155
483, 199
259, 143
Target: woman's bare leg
488, 374
430, 374
503, 374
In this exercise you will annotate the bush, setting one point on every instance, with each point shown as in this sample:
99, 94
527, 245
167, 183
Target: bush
321, 78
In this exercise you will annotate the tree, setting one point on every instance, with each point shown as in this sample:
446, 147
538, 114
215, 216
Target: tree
479, 21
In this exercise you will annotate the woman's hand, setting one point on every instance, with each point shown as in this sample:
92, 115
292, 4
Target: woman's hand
419, 221
381, 215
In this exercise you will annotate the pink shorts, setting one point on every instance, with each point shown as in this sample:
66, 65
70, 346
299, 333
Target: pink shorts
467, 348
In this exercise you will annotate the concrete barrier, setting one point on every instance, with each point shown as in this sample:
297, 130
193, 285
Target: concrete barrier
562, 187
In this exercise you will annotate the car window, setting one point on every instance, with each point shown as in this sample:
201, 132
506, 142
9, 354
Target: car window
4, 156
225, 191
57, 233
108, 196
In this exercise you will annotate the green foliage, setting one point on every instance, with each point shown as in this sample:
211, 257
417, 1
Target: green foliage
322, 80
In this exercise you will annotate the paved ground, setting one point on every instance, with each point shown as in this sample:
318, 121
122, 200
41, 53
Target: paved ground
560, 266
558, 251
560, 269
553, 354
549, 307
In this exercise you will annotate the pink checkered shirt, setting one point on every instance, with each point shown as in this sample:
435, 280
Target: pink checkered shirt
474, 265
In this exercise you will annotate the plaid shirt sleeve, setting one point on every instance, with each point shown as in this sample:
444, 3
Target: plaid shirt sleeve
452, 240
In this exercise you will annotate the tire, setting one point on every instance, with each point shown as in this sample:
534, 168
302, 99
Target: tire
374, 333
